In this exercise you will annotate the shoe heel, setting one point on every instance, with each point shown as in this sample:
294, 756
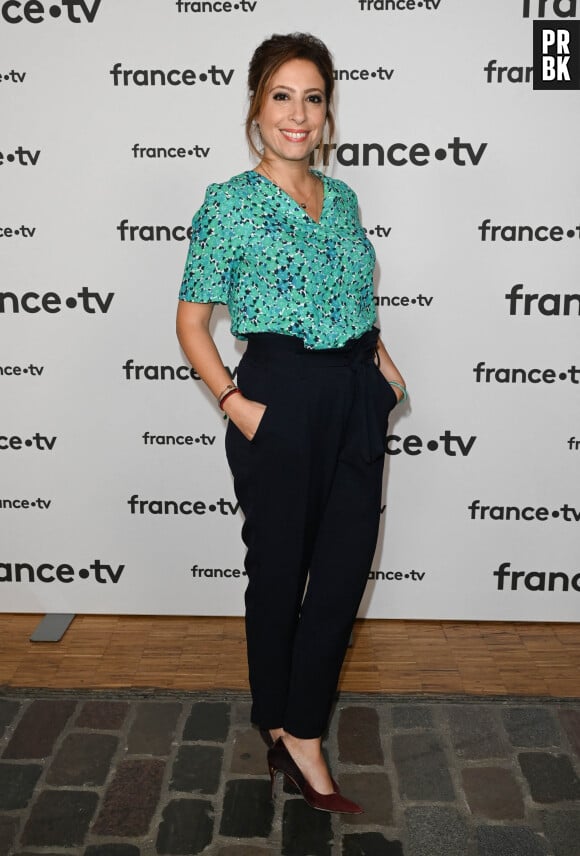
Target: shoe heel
273, 772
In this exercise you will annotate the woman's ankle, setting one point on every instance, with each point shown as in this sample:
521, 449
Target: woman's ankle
275, 733
308, 746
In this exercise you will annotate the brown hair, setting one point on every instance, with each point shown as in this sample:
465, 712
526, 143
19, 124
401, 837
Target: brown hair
267, 59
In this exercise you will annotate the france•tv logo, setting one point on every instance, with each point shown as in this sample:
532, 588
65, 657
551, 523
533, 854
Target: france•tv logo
556, 55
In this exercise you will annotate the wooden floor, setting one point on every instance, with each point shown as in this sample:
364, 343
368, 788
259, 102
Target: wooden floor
209, 653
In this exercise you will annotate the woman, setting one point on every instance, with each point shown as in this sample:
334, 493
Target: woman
282, 245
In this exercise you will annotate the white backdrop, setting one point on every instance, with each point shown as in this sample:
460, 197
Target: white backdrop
115, 495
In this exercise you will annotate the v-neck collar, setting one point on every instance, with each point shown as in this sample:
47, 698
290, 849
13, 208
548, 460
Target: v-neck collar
276, 190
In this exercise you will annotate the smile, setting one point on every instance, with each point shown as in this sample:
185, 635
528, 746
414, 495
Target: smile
294, 136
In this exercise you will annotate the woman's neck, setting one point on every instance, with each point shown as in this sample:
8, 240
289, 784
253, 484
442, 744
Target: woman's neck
298, 182
287, 174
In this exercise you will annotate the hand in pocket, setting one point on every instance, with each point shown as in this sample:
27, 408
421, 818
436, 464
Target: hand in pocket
245, 414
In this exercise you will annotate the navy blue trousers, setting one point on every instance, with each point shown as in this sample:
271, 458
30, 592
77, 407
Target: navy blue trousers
309, 485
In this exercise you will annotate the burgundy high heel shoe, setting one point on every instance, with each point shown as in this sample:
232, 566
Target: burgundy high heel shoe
269, 741
281, 761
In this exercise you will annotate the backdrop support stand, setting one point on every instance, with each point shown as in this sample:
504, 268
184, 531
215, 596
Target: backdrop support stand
52, 627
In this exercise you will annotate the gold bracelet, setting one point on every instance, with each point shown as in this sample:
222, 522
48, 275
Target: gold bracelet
225, 391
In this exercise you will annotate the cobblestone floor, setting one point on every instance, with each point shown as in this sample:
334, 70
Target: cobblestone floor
147, 773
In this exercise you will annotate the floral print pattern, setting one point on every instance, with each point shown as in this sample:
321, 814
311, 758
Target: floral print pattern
278, 270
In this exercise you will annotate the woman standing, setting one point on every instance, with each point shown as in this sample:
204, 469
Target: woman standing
283, 247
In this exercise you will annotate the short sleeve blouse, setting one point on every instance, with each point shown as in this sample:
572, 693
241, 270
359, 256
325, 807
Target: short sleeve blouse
278, 270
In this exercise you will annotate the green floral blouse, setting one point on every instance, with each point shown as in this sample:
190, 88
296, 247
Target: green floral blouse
278, 270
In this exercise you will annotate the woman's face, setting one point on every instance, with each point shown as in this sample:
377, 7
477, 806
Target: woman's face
293, 114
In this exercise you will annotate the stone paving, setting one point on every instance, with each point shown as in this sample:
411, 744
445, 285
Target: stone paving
156, 773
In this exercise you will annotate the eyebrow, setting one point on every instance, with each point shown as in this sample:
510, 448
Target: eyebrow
291, 89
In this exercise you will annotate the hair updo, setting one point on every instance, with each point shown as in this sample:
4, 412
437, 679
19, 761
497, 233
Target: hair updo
267, 59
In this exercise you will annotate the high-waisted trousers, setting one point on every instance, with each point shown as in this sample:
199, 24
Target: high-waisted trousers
309, 485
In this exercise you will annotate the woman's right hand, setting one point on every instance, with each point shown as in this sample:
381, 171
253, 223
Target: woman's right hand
245, 413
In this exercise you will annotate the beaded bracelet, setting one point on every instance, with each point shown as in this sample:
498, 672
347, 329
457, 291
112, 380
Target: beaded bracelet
402, 388
226, 395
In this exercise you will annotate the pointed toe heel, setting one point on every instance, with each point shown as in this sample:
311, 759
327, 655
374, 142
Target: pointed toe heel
281, 761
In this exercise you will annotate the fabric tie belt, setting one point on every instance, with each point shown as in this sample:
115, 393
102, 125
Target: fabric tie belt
367, 430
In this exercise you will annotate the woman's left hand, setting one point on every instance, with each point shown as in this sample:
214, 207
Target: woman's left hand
389, 370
